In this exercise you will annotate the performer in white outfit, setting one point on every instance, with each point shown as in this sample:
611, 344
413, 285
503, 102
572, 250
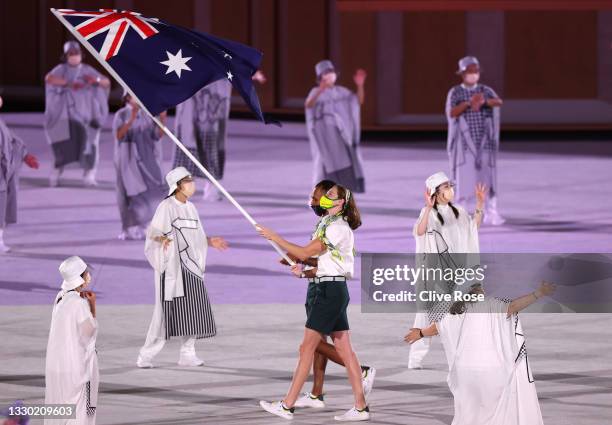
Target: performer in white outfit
71, 371
489, 373
176, 248
442, 228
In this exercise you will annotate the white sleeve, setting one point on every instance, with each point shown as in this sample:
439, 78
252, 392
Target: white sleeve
160, 226
338, 235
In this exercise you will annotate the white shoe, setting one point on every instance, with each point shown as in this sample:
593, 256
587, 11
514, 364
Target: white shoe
190, 360
122, 236
144, 364
309, 400
54, 177
90, 179
415, 366
3, 248
492, 217
277, 408
354, 415
135, 233
368, 381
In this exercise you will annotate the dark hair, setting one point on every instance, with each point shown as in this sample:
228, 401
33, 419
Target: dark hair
435, 207
325, 185
459, 307
349, 212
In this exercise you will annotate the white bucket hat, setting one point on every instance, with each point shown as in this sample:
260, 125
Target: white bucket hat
436, 180
71, 270
323, 66
467, 61
175, 176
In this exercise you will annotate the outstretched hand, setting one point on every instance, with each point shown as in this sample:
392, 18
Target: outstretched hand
218, 242
413, 336
267, 233
545, 289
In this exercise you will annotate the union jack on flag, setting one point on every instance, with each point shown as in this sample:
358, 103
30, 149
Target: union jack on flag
161, 63
114, 23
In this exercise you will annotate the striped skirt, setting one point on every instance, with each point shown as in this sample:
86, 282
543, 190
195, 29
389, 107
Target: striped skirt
190, 314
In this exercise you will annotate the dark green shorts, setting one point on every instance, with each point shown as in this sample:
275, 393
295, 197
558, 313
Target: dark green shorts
326, 304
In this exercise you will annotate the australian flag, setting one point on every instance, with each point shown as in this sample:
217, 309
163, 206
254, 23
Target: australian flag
164, 64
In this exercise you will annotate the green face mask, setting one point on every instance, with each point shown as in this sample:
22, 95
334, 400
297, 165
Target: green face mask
326, 203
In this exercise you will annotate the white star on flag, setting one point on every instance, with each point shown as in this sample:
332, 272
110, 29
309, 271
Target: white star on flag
229, 75
176, 63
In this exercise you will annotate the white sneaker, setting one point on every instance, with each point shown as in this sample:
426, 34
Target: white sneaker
309, 400
277, 408
3, 248
190, 360
90, 179
354, 415
492, 217
54, 177
135, 233
144, 364
122, 236
368, 381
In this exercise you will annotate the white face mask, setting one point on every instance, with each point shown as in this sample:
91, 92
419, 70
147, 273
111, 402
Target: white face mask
74, 60
472, 79
330, 77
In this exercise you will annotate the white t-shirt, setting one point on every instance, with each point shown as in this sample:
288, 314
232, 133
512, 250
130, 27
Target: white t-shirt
339, 260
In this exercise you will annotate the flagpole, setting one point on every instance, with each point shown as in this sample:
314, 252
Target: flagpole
165, 129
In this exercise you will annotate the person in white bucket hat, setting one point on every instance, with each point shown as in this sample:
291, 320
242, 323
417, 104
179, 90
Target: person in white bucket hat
176, 247
443, 227
473, 115
71, 369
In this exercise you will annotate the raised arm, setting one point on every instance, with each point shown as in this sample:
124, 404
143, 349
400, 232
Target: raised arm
518, 304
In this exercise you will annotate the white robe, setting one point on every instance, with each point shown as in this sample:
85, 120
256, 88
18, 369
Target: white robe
181, 223
488, 376
71, 357
456, 235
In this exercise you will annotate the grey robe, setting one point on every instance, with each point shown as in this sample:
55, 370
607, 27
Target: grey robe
334, 131
140, 183
12, 152
74, 118
472, 160
201, 124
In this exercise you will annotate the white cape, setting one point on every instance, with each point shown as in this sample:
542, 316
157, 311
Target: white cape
71, 357
489, 372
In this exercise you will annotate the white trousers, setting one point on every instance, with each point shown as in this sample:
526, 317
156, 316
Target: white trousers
154, 345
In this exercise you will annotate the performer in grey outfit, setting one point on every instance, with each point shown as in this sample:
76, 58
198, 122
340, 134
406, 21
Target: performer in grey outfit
334, 128
472, 111
13, 153
201, 124
140, 183
76, 106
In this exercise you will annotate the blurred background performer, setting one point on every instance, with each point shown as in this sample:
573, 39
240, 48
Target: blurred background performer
140, 182
76, 106
333, 123
201, 124
472, 111
13, 153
